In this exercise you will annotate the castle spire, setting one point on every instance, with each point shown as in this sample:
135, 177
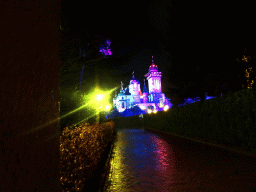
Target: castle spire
122, 88
153, 66
154, 78
145, 88
133, 75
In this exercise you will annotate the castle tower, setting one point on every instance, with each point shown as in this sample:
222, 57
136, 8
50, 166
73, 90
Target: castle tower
120, 101
154, 78
134, 89
145, 93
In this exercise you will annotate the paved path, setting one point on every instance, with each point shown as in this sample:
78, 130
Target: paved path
144, 161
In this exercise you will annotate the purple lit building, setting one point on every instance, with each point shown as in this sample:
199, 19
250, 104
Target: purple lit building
149, 101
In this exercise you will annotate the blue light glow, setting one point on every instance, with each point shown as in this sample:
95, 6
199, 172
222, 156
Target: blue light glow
190, 100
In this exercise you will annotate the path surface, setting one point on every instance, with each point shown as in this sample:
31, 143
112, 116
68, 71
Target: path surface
144, 161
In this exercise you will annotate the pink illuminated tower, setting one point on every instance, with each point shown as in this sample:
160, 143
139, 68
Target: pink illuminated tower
154, 79
134, 89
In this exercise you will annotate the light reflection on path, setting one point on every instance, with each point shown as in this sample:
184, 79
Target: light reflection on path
142, 161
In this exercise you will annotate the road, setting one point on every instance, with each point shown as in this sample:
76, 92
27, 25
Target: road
144, 161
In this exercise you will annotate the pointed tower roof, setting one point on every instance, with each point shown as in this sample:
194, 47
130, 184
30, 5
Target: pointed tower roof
133, 78
153, 66
122, 89
145, 88
127, 92
153, 71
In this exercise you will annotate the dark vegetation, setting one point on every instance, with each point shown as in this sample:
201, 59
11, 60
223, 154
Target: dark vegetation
228, 120
84, 155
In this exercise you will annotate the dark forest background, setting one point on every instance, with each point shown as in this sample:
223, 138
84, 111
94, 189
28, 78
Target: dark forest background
201, 47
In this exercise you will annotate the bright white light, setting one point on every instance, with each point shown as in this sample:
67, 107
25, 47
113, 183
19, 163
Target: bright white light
143, 107
99, 97
121, 110
107, 108
166, 107
149, 111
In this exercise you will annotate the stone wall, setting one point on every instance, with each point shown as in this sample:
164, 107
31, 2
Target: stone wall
29, 92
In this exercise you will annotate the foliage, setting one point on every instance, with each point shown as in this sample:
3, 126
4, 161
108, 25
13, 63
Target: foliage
229, 119
71, 100
81, 149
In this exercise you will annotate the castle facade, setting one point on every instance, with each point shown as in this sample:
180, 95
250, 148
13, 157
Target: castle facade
151, 100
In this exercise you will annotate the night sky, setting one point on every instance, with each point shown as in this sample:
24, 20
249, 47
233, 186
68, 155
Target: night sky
191, 42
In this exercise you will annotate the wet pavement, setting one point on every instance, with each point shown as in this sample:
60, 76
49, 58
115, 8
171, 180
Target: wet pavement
144, 161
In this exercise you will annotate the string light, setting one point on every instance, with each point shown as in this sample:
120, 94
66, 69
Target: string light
248, 72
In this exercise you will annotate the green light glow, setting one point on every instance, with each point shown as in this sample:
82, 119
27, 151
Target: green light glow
90, 101
85, 119
99, 99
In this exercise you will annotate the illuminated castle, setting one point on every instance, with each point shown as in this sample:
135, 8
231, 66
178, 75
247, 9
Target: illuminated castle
148, 101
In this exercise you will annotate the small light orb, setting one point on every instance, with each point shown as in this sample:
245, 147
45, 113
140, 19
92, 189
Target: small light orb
107, 108
99, 97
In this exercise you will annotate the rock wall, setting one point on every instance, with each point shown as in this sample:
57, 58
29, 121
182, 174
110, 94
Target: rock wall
29, 92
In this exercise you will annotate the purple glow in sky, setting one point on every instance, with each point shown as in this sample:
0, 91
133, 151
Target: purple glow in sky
105, 48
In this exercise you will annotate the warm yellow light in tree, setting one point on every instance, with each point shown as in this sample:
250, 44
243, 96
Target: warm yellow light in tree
246, 58
247, 75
